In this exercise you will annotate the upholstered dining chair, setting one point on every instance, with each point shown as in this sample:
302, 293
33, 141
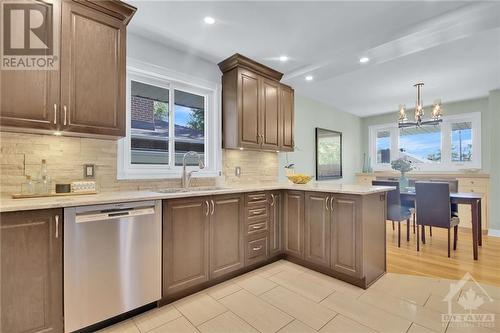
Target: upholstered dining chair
434, 209
395, 211
454, 207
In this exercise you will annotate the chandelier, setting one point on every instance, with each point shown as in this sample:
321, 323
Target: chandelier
437, 111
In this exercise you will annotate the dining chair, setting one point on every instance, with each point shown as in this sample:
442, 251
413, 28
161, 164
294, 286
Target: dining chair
454, 207
434, 209
395, 211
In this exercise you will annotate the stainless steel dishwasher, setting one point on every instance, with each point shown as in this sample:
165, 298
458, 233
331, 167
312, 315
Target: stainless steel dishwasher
112, 260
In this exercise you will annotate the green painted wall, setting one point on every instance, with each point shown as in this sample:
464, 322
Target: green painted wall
494, 110
489, 107
310, 114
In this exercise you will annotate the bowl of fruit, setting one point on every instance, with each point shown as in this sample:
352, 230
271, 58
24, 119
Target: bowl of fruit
299, 178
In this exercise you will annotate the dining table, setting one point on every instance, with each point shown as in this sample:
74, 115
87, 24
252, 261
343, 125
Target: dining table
462, 198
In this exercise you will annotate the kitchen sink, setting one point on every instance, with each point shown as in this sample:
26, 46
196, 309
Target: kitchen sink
190, 189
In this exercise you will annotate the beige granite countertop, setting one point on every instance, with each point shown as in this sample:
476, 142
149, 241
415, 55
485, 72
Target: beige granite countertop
7, 204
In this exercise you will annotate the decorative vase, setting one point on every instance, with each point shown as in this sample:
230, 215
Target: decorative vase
403, 182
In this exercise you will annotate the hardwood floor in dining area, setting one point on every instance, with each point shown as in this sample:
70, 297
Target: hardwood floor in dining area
432, 259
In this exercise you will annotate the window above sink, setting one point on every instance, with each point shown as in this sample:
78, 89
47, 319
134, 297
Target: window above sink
168, 114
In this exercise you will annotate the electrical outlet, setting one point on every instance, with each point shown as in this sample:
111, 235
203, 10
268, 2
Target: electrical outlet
89, 170
237, 171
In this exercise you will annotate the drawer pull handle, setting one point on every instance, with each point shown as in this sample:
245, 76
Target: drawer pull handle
257, 226
213, 207
273, 199
327, 199
257, 212
65, 115
257, 248
208, 208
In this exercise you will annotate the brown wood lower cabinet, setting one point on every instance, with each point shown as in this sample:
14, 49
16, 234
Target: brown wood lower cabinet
275, 222
32, 273
293, 223
346, 231
317, 225
185, 243
202, 240
226, 234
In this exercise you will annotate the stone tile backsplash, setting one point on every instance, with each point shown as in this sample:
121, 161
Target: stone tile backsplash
21, 154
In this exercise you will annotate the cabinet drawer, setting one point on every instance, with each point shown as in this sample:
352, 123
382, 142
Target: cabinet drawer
474, 189
257, 213
257, 250
257, 198
256, 227
475, 182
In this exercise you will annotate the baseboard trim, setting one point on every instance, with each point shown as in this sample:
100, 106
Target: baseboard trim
494, 232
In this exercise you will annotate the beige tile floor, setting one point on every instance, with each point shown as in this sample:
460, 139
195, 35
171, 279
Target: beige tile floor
287, 298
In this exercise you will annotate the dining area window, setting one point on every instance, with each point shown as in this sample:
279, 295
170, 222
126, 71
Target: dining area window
451, 145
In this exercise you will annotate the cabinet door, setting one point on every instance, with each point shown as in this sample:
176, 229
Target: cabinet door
269, 126
92, 71
31, 267
185, 243
287, 118
248, 96
317, 228
30, 98
344, 253
294, 223
226, 234
275, 222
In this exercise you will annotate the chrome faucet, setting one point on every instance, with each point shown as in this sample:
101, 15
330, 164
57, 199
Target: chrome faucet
186, 176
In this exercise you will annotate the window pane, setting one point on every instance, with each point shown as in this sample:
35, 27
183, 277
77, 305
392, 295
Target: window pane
189, 126
384, 147
461, 142
421, 144
149, 124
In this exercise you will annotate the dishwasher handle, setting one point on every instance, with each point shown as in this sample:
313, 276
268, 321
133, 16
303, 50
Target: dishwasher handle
113, 214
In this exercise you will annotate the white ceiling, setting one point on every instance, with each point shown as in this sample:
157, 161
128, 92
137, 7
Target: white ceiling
453, 46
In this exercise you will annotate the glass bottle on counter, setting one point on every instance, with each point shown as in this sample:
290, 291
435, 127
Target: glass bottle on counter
28, 187
44, 185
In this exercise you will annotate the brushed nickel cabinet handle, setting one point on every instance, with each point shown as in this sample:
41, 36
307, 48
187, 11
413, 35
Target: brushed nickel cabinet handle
57, 226
208, 208
257, 226
65, 115
327, 200
55, 114
273, 200
257, 248
213, 207
331, 204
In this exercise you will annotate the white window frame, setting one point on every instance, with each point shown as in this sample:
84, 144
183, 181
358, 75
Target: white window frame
446, 164
165, 78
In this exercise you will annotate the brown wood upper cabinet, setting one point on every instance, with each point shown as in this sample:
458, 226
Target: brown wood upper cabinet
32, 273
257, 109
86, 95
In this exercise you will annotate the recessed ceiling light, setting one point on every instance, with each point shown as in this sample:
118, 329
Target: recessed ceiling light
283, 58
309, 78
209, 20
364, 60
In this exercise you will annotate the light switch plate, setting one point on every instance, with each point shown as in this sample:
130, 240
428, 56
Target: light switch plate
89, 170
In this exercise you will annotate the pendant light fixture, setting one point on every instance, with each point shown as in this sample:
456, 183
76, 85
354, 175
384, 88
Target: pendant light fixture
437, 111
